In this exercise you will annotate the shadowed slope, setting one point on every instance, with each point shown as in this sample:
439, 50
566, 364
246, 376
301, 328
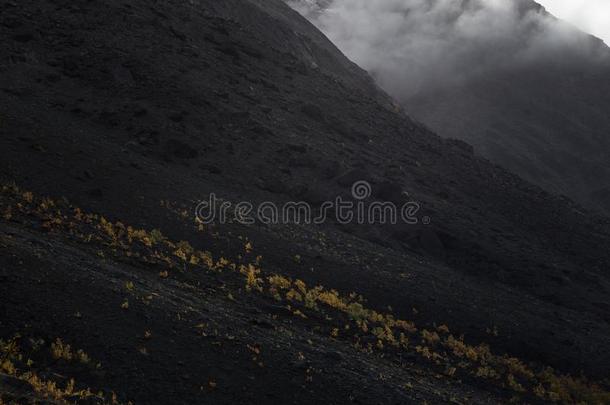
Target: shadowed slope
121, 107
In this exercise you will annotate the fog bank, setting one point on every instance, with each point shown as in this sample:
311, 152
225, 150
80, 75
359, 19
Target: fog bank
417, 45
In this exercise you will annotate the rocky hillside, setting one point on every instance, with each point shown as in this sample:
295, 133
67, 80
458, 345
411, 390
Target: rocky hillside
545, 122
163, 322
136, 111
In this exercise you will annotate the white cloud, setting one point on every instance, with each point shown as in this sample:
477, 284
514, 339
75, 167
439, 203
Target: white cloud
416, 45
592, 16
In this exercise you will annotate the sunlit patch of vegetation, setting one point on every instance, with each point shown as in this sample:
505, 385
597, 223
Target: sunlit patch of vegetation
440, 347
370, 330
253, 281
15, 364
63, 351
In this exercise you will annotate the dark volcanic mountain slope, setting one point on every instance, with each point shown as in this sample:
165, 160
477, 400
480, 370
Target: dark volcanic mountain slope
530, 92
184, 326
547, 123
123, 106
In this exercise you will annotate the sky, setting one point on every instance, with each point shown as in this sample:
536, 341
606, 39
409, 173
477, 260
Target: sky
592, 16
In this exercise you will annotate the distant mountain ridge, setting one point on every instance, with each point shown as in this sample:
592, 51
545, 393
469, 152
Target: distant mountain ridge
527, 90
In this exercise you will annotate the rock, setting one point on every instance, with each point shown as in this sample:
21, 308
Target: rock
420, 238
353, 176
96, 193
92, 400
461, 145
273, 185
334, 356
313, 111
259, 129
389, 191
14, 385
148, 138
70, 66
297, 148
330, 169
229, 50
53, 77
312, 195
109, 118
257, 55
177, 116
211, 168
297, 67
301, 364
180, 149
178, 34
23, 37
431, 243
261, 323
305, 160
409, 357
12, 23
140, 112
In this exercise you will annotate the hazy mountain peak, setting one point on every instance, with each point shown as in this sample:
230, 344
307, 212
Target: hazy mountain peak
525, 88
412, 45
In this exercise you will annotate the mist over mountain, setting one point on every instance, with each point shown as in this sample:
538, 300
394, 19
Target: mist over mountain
417, 46
529, 91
